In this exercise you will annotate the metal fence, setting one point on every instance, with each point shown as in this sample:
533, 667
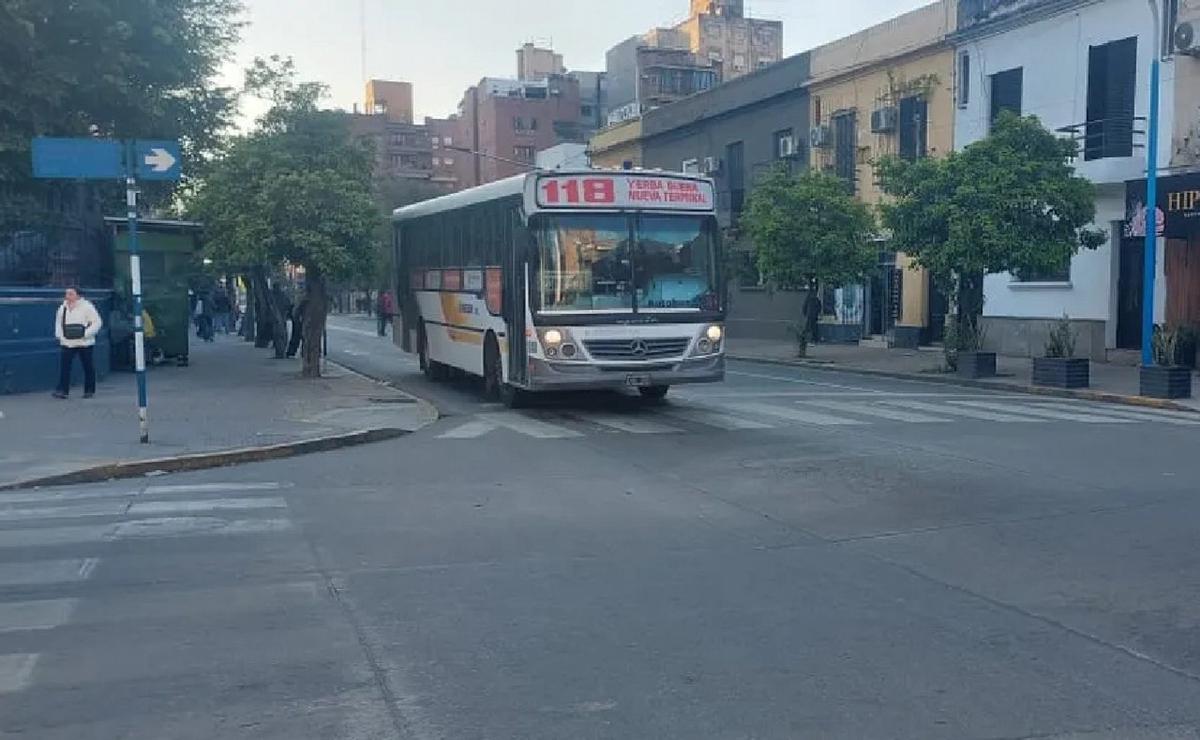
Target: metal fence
44, 246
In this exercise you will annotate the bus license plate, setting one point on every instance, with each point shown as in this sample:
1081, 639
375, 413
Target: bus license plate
637, 381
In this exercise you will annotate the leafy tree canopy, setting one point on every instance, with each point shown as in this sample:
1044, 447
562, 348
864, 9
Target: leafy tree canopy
1008, 203
809, 230
296, 190
121, 68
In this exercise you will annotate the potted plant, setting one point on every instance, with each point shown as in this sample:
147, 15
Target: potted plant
970, 360
1168, 377
1060, 368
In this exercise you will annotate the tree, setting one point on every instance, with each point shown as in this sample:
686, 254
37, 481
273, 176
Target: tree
296, 191
135, 68
809, 232
1008, 203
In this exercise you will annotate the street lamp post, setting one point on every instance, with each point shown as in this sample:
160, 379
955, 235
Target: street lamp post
1151, 256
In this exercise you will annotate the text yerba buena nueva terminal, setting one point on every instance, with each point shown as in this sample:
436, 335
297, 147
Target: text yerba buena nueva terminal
665, 191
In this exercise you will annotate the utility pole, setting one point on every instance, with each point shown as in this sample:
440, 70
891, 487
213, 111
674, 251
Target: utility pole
1151, 245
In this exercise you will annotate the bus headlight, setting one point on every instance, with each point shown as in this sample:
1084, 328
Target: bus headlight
552, 337
715, 333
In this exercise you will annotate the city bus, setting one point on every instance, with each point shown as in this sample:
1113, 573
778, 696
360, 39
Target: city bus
565, 280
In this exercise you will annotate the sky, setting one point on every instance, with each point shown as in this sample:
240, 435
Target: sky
444, 46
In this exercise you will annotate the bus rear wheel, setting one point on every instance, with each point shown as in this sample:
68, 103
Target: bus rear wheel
435, 371
654, 392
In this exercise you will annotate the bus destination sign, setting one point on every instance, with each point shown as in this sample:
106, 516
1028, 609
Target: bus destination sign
624, 190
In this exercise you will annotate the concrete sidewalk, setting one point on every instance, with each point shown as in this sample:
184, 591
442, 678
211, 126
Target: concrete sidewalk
1109, 381
233, 398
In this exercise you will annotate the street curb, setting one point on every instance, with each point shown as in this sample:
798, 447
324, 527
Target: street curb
427, 405
1085, 395
208, 460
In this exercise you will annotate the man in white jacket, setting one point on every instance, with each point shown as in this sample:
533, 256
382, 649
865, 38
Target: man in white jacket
76, 325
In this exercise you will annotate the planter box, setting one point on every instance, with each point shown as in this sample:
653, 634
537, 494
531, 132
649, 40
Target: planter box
1062, 372
904, 337
839, 333
1166, 382
977, 364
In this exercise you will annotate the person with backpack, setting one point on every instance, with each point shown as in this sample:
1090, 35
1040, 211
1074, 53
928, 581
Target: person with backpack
76, 324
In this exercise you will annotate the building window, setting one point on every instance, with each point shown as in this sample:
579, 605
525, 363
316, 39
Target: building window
690, 166
518, 123
816, 109
524, 153
1006, 92
448, 161
533, 124
845, 143
437, 162
735, 177
785, 144
914, 127
964, 79
447, 141
1112, 84
586, 111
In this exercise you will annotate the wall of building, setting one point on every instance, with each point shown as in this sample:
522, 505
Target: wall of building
534, 63
390, 97
1053, 50
739, 45
617, 145
1186, 150
621, 68
893, 38
402, 150
557, 118
450, 167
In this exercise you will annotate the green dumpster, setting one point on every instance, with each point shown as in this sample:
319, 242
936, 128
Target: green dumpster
170, 253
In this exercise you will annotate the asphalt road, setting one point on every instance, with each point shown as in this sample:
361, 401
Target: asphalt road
791, 554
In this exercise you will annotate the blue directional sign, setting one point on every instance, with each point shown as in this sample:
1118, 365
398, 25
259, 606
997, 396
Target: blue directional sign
78, 159
157, 160
104, 159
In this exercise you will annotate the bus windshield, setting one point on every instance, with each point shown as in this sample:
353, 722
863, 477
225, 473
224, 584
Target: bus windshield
587, 263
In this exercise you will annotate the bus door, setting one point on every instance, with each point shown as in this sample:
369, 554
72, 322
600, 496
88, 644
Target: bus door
515, 271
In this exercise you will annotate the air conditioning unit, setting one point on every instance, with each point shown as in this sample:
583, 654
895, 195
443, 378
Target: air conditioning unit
884, 120
712, 165
819, 137
1187, 38
787, 147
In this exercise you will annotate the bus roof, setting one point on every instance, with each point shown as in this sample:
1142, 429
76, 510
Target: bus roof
482, 194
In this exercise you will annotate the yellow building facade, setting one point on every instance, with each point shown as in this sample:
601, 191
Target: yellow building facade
617, 146
886, 91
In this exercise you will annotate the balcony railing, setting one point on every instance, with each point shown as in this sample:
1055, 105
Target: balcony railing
1107, 138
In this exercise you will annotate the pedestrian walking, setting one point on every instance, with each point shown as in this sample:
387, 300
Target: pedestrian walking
76, 324
204, 318
298, 316
386, 310
222, 308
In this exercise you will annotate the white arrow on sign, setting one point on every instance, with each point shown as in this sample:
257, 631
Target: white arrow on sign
160, 160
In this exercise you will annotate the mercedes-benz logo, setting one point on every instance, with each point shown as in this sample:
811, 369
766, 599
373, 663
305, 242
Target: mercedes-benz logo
638, 348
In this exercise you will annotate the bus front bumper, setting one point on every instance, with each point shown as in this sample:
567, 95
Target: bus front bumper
563, 376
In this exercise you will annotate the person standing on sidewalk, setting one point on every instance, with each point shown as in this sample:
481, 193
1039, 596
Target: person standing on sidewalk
387, 309
76, 324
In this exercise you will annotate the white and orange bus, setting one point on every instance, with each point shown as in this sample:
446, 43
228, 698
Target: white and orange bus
566, 280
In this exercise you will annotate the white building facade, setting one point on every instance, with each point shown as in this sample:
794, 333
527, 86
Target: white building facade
1083, 68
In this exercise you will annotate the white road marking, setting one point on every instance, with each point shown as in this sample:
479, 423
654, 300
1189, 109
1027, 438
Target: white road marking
519, 423
1149, 415
980, 414
50, 536
42, 572
715, 419
628, 423
217, 504
795, 414
798, 381
53, 497
15, 672
78, 511
28, 616
213, 487
1029, 409
865, 408
191, 526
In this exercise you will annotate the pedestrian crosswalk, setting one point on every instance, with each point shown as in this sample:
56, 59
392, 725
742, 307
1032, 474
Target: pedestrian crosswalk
698, 414
53, 543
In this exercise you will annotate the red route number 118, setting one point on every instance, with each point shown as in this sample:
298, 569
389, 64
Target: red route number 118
593, 191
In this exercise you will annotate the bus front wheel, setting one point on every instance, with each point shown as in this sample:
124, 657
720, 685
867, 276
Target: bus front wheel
435, 371
654, 392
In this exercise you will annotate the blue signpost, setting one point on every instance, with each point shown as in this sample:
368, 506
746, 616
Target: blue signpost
110, 159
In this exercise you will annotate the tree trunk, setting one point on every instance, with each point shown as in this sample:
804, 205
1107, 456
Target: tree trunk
248, 321
314, 323
262, 308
